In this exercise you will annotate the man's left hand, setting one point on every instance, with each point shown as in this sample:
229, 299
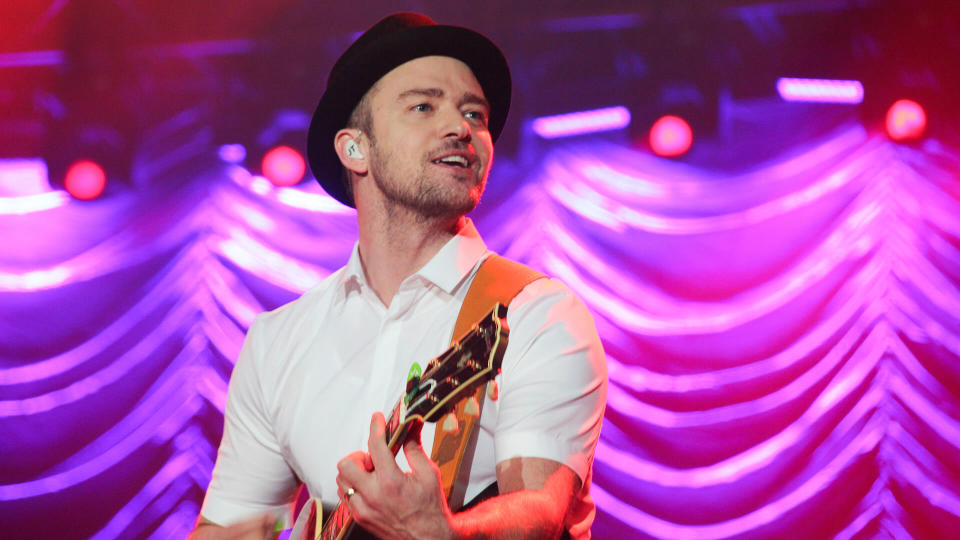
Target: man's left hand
385, 500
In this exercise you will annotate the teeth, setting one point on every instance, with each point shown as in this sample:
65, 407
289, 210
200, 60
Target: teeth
454, 160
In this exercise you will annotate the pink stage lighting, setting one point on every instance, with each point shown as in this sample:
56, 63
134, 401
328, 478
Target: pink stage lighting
670, 136
820, 90
906, 120
85, 180
284, 166
582, 122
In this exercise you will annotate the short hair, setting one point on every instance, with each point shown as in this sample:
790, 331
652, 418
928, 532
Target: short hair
360, 118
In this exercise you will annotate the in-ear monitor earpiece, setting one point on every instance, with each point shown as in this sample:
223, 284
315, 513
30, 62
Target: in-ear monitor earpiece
353, 149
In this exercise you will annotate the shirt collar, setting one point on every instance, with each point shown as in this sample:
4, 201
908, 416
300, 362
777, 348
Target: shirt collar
353, 280
456, 259
447, 269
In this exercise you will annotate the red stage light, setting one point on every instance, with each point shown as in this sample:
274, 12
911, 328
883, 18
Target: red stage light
906, 120
85, 180
671, 136
284, 166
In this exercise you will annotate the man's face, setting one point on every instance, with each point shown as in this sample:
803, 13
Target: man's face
431, 149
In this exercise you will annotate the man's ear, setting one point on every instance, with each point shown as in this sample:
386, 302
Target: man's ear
351, 148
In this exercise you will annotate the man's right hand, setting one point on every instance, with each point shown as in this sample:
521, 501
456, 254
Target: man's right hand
260, 528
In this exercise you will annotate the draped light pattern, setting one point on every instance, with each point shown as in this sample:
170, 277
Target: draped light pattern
783, 344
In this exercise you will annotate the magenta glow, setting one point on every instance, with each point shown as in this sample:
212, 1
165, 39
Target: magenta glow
820, 90
579, 123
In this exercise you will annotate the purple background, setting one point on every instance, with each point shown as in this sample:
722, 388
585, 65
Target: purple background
780, 311
782, 343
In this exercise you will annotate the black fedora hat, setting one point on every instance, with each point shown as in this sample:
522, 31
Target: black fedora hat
395, 40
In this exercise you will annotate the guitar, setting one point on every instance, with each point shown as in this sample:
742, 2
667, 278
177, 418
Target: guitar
447, 379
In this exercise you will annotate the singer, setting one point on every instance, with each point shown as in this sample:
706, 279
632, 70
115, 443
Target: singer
405, 133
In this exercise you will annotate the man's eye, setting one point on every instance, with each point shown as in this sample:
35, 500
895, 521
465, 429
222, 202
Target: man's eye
476, 115
422, 107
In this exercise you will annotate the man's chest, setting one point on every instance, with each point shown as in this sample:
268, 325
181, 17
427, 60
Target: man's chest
355, 363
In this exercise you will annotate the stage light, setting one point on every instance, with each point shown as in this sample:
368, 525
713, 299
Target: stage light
85, 180
906, 120
582, 122
820, 90
670, 136
20, 177
284, 166
232, 153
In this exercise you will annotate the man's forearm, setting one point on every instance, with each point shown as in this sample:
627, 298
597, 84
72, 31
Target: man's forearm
255, 529
521, 513
205, 531
524, 514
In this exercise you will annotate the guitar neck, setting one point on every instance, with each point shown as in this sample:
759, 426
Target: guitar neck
340, 523
474, 359
399, 431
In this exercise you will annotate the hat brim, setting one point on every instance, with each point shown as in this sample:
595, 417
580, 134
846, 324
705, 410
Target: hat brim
369, 65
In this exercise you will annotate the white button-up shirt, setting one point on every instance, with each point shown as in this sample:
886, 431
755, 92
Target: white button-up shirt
311, 374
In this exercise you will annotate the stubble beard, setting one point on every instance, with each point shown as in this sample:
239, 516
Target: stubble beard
426, 199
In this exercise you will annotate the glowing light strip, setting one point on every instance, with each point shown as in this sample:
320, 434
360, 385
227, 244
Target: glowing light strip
197, 49
294, 197
165, 481
31, 58
770, 512
751, 460
33, 203
180, 277
278, 268
316, 202
20, 177
579, 123
820, 90
186, 407
873, 348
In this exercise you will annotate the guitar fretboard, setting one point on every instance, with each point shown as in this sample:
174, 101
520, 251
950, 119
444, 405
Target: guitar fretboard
450, 377
337, 525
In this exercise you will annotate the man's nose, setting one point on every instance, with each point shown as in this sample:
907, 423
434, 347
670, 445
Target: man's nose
456, 126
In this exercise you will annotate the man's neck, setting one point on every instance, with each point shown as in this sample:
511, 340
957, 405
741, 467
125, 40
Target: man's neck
394, 246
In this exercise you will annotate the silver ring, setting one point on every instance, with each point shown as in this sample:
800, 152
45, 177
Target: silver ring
350, 492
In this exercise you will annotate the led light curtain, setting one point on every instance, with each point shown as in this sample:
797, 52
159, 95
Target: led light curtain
783, 343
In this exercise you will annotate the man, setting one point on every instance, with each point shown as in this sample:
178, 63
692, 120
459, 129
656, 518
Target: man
405, 132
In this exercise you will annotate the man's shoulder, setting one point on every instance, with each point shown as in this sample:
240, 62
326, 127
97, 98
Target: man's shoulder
547, 291
540, 288
309, 305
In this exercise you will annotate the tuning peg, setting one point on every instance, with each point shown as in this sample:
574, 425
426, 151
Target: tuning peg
493, 390
472, 407
450, 424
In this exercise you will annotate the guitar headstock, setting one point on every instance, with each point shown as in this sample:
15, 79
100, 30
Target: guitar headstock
460, 370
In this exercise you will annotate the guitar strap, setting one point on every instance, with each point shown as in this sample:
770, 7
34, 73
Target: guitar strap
498, 280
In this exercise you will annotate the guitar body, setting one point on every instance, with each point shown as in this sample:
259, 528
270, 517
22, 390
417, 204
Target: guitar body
313, 512
447, 379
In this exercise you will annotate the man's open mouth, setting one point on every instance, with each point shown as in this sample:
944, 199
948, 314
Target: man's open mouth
455, 161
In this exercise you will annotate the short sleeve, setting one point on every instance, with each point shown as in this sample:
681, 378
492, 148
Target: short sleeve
553, 382
251, 476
